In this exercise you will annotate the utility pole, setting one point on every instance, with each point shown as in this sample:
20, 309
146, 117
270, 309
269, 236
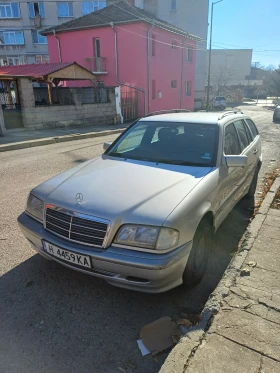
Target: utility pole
210, 55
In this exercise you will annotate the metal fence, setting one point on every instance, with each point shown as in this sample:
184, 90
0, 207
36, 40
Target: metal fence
60, 96
92, 95
65, 96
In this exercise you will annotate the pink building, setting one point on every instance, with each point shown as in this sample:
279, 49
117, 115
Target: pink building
152, 61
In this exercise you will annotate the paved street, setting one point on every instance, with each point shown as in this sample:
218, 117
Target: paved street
57, 320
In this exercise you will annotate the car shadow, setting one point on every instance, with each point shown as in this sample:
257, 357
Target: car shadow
56, 320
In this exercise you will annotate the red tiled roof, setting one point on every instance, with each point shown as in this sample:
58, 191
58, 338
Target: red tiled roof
33, 70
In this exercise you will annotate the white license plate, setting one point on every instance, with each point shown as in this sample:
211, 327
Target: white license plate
67, 256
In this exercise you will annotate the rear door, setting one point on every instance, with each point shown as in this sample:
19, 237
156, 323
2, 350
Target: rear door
250, 149
256, 143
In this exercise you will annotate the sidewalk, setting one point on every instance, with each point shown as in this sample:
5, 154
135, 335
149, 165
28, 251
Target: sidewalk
244, 335
22, 138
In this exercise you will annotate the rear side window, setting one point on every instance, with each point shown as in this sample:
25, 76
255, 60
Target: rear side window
231, 146
240, 127
252, 127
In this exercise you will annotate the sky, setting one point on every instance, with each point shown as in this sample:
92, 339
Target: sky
253, 24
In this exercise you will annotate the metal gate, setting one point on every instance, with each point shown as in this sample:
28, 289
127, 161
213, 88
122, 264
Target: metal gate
129, 105
9, 100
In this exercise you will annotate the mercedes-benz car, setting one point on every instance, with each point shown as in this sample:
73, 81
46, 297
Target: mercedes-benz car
143, 214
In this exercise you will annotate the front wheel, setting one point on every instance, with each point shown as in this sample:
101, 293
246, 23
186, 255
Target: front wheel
198, 259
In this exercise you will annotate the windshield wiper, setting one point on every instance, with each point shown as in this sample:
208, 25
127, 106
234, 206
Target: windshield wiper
181, 163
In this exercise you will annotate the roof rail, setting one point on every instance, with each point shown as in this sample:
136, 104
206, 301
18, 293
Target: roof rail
229, 113
167, 112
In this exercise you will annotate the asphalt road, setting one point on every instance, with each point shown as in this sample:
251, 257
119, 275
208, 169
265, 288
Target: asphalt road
56, 320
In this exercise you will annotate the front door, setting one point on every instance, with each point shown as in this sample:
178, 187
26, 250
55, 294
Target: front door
230, 177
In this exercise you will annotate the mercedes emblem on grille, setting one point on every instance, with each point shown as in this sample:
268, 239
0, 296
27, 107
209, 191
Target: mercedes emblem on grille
79, 198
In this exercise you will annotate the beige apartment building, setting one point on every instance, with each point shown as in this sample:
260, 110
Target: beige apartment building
21, 22
237, 62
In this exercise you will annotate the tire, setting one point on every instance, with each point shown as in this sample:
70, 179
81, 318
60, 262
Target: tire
274, 118
253, 186
199, 255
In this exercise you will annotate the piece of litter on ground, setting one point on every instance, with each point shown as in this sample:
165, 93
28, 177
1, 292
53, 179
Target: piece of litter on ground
184, 322
158, 335
245, 272
143, 348
252, 264
121, 369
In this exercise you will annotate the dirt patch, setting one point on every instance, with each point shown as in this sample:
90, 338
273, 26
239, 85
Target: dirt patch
264, 187
276, 202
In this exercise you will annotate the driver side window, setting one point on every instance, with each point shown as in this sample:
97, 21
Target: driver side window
231, 143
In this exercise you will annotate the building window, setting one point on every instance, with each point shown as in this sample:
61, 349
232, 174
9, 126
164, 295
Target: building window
173, 83
174, 44
92, 6
37, 38
173, 4
153, 45
12, 60
142, 4
11, 38
65, 9
9, 10
42, 58
153, 89
36, 9
189, 55
188, 88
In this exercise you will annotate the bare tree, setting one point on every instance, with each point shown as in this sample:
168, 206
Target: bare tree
272, 82
221, 81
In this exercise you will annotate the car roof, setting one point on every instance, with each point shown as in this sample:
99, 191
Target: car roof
198, 117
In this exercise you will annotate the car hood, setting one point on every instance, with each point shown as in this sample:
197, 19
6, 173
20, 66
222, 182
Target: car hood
122, 190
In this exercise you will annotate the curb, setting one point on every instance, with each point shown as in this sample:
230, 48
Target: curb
58, 139
178, 359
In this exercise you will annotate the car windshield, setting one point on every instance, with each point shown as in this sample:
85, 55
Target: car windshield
220, 98
189, 144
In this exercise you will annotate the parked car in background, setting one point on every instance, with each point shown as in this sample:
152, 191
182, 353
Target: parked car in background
220, 103
276, 114
142, 215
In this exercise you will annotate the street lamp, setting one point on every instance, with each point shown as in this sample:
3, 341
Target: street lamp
210, 54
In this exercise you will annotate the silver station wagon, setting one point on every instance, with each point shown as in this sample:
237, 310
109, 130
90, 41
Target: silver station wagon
143, 214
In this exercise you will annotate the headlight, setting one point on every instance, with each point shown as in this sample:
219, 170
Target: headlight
147, 237
35, 207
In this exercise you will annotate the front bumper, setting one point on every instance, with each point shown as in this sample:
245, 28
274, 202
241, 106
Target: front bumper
148, 272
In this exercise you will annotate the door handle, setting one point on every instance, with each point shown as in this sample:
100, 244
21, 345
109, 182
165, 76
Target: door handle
255, 151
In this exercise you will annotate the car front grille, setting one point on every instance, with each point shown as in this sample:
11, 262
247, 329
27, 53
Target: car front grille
74, 228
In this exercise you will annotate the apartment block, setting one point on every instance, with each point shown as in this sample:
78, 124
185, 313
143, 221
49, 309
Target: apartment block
21, 22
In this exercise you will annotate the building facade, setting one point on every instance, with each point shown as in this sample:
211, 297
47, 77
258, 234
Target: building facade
189, 15
153, 62
21, 22
237, 62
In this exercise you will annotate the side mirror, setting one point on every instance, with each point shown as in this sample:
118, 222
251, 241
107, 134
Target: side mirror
236, 160
106, 145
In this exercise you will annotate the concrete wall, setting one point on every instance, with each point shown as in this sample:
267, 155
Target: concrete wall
54, 116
